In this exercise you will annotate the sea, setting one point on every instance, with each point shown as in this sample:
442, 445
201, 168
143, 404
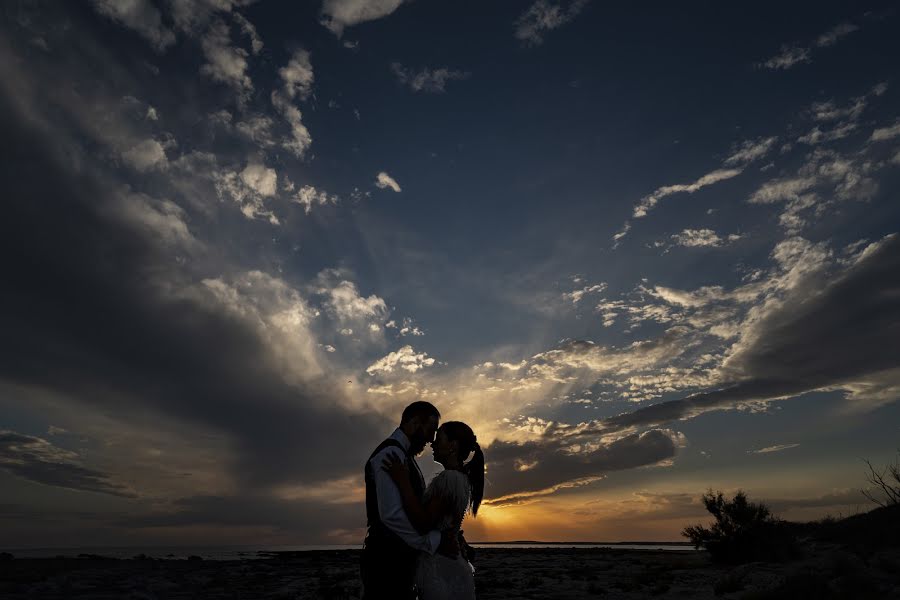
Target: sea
257, 552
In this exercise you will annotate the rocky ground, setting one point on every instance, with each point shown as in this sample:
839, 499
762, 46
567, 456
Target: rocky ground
557, 573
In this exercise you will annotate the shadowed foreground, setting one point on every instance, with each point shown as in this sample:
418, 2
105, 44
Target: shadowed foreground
502, 573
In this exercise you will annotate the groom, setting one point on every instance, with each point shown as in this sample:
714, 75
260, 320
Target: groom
388, 562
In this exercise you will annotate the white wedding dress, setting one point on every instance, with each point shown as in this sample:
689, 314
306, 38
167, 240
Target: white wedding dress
439, 577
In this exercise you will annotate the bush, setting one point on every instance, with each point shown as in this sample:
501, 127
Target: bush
742, 532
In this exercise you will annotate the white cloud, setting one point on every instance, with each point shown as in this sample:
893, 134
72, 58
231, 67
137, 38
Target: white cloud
248, 189
829, 111
344, 302
146, 156
308, 196
694, 238
152, 115
576, 295
818, 136
427, 80
300, 139
788, 57
383, 181
277, 311
409, 328
297, 76
794, 54
256, 44
339, 14
829, 38
648, 202
297, 79
405, 358
824, 179
258, 129
261, 179
885, 133
141, 16
751, 150
224, 62
544, 16
769, 449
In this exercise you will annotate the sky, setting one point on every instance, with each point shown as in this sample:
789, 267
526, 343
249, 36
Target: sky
644, 251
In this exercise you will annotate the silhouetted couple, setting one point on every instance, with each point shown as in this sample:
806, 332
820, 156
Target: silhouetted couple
414, 546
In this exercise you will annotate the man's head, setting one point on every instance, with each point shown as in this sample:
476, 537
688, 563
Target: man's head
419, 422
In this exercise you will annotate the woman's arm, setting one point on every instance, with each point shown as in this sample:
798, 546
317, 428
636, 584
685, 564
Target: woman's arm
423, 517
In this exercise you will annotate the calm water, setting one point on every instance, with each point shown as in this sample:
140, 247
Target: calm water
255, 552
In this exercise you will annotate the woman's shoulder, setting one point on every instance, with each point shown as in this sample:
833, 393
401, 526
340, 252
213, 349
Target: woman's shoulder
451, 483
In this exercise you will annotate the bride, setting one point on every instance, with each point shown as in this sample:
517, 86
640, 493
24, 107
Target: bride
450, 495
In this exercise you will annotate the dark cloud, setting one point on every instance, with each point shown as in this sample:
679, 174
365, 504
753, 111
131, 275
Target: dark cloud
846, 332
308, 520
87, 310
38, 460
519, 470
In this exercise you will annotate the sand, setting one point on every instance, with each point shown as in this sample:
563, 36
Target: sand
501, 573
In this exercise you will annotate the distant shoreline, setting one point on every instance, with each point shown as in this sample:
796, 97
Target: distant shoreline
523, 542
262, 552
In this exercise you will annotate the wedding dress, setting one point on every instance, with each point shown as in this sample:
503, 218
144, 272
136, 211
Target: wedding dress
439, 577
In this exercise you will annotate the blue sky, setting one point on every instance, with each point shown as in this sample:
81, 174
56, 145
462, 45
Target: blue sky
642, 252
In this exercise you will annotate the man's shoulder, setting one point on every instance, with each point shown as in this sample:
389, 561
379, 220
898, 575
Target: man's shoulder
389, 445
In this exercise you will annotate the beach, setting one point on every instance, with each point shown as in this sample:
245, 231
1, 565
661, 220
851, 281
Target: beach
501, 573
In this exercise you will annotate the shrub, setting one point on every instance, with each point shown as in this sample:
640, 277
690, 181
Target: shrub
742, 532
884, 482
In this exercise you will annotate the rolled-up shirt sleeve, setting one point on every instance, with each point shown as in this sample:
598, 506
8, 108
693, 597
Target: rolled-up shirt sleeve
390, 507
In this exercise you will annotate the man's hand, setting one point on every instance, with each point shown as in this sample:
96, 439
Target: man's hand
467, 551
449, 544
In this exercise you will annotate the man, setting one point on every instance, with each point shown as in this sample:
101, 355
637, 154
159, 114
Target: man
388, 563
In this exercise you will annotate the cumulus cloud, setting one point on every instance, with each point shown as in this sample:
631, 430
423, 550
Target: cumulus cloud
249, 30
140, 15
297, 76
384, 181
297, 79
225, 63
308, 196
785, 351
146, 156
826, 177
261, 179
339, 14
427, 80
695, 238
544, 16
38, 460
249, 189
794, 54
343, 301
256, 128
405, 358
577, 295
885, 133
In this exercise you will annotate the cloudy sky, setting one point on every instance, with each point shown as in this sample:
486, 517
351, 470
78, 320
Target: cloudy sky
643, 252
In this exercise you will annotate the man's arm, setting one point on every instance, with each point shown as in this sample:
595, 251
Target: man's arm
390, 507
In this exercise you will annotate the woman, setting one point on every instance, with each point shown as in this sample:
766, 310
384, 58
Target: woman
450, 495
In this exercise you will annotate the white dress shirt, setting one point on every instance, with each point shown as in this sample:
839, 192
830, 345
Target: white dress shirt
390, 504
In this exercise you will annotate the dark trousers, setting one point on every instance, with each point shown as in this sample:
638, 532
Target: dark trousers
387, 574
